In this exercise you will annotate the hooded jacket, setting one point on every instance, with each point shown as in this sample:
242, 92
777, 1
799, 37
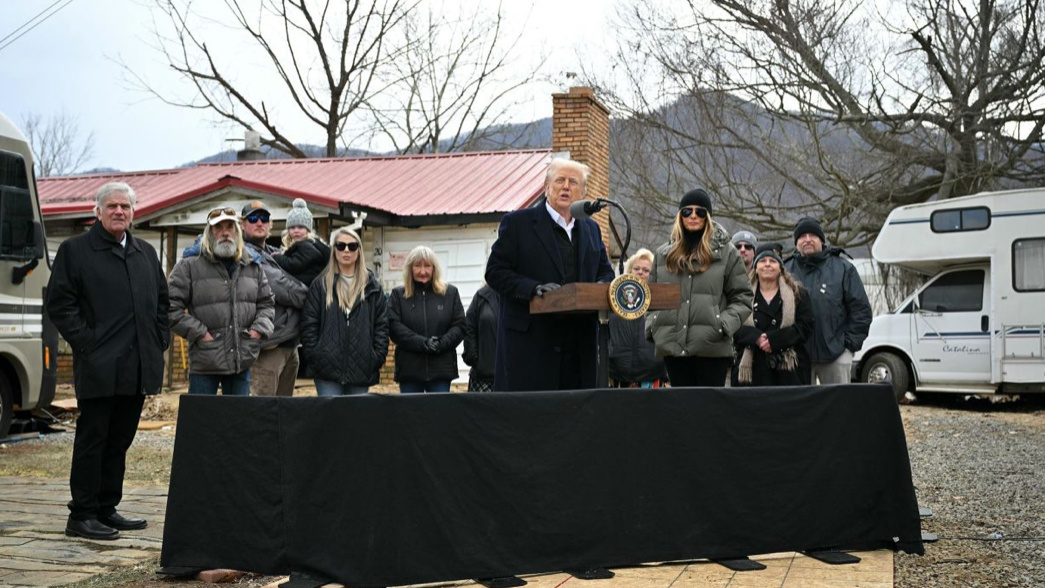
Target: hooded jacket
347, 350
205, 298
841, 312
713, 303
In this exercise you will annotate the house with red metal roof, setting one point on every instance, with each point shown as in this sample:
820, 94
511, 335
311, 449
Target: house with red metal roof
450, 202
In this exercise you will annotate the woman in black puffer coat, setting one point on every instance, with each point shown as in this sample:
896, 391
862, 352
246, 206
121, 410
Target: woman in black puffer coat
344, 324
426, 321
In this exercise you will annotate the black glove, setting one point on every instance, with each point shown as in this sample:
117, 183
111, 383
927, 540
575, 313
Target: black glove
543, 289
432, 344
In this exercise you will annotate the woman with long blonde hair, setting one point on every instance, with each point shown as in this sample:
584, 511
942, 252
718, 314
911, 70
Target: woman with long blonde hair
426, 321
696, 339
344, 324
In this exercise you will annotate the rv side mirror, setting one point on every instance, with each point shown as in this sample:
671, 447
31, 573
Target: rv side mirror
34, 242
916, 304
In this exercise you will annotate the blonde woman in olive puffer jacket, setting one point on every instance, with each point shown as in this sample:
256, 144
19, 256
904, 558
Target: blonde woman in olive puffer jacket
696, 340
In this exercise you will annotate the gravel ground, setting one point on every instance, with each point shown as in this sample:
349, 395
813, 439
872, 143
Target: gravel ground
979, 466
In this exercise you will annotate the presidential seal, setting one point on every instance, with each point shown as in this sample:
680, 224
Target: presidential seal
629, 297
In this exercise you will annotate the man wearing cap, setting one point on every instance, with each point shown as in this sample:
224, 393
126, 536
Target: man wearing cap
222, 305
746, 243
276, 369
841, 311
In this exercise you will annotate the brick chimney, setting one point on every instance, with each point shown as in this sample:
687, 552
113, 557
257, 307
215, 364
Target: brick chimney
581, 126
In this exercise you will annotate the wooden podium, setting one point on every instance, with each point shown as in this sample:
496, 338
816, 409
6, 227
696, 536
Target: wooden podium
595, 297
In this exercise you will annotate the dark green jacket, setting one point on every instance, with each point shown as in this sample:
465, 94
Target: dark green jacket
713, 303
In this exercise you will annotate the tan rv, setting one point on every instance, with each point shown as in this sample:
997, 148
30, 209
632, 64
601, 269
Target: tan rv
28, 342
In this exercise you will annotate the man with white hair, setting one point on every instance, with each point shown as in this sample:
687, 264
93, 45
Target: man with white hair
220, 302
537, 250
108, 298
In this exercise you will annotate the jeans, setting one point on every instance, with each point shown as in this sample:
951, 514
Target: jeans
422, 387
331, 388
231, 384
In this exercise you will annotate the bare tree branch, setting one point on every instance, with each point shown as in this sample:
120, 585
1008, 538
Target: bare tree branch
58, 146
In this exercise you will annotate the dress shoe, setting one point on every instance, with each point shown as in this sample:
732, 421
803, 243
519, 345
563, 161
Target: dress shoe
122, 523
90, 529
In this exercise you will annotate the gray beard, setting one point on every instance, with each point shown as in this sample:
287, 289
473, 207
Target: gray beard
224, 249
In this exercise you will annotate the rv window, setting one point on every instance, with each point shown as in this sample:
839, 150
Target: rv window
16, 209
960, 219
954, 292
1028, 265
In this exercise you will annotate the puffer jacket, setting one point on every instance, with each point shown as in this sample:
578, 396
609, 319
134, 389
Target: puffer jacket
413, 320
633, 359
289, 295
713, 305
480, 339
841, 310
346, 350
305, 260
204, 298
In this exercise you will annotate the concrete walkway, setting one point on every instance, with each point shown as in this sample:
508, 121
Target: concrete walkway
34, 551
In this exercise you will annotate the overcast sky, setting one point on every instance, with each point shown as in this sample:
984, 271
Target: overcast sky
69, 62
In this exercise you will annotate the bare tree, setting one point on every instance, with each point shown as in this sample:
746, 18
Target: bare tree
324, 56
59, 148
831, 108
452, 87
351, 68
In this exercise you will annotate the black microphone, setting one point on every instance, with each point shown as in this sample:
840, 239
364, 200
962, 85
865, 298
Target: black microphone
584, 208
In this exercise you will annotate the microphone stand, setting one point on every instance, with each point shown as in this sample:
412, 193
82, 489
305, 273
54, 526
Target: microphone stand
602, 375
599, 204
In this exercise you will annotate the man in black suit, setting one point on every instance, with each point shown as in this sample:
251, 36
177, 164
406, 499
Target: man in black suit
108, 298
537, 250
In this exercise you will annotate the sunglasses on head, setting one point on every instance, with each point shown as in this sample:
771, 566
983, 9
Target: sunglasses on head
745, 246
698, 210
220, 211
256, 217
341, 246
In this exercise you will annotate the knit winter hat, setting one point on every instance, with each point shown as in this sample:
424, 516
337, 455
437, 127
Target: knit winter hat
809, 225
745, 237
767, 250
697, 197
299, 215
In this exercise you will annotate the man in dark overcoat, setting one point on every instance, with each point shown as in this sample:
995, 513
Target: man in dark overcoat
537, 250
108, 298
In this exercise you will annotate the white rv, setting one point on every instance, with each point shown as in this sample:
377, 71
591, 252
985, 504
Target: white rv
28, 341
977, 326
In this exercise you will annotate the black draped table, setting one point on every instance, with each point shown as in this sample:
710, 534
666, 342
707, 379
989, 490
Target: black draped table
403, 489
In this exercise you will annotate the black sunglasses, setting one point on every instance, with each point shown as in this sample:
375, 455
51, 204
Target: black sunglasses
258, 217
700, 210
745, 246
341, 246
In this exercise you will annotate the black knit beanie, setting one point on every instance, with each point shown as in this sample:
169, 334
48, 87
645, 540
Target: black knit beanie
809, 225
767, 250
697, 197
